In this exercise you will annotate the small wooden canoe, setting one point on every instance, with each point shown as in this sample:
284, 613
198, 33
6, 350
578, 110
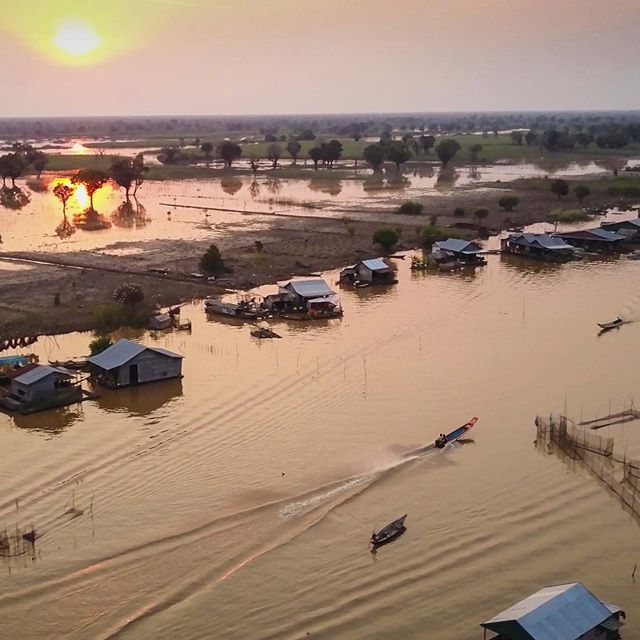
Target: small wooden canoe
605, 326
389, 533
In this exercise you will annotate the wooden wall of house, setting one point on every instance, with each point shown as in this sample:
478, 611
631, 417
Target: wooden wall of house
36, 390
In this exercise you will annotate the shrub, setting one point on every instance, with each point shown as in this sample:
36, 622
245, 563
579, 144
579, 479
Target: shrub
508, 203
411, 208
432, 233
480, 214
458, 212
99, 345
258, 245
128, 293
386, 238
568, 215
560, 187
581, 191
628, 190
212, 262
112, 316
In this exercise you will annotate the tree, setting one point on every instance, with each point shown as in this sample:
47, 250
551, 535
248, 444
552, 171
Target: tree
474, 151
517, 137
446, 150
13, 165
293, 149
168, 155
374, 155
63, 192
99, 344
207, 148
386, 238
229, 151
123, 172
92, 179
581, 191
427, 142
531, 137
128, 293
139, 172
212, 262
316, 154
274, 153
39, 162
508, 203
398, 153
584, 139
254, 162
331, 152
560, 188
480, 214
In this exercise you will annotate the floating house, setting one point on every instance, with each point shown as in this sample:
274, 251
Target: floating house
537, 245
373, 271
311, 297
463, 251
37, 387
630, 229
128, 363
562, 612
596, 239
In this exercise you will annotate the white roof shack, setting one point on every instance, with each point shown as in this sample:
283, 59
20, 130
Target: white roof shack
312, 288
124, 350
562, 612
39, 373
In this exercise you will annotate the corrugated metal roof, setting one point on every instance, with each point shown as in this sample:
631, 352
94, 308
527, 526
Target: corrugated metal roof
634, 222
458, 246
315, 288
12, 361
542, 240
562, 612
596, 233
123, 351
38, 373
376, 264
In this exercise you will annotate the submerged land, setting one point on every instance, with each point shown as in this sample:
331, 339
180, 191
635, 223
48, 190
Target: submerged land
56, 288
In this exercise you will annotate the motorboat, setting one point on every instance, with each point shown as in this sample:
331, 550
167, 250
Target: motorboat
444, 439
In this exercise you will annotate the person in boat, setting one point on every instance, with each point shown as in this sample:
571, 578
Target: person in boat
441, 441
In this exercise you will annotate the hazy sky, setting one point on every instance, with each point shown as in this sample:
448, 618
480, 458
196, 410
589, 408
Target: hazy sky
119, 57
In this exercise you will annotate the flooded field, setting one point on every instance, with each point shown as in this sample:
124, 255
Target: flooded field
193, 210
238, 502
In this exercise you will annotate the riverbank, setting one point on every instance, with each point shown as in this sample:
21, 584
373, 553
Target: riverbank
295, 242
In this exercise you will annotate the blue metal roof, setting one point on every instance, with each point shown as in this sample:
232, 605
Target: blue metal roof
542, 240
315, 288
38, 373
562, 612
634, 222
123, 351
457, 246
600, 234
376, 264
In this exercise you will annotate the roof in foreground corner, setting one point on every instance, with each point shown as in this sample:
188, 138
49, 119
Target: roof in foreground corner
561, 612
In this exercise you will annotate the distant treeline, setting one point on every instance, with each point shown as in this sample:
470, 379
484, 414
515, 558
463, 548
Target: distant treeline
301, 127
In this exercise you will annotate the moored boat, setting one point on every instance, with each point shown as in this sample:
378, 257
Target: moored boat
389, 533
230, 309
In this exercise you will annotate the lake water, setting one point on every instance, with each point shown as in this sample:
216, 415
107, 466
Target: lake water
238, 502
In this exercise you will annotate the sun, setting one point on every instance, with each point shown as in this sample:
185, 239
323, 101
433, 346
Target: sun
76, 38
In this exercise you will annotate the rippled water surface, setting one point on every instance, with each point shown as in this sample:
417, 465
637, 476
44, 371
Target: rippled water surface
238, 502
